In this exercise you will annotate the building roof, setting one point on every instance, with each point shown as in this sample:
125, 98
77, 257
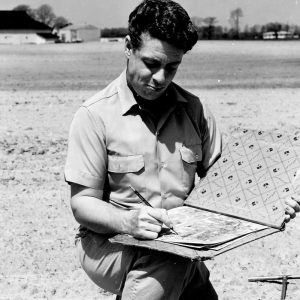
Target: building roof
14, 19
48, 36
80, 26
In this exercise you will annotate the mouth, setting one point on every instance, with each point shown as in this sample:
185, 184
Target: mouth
155, 88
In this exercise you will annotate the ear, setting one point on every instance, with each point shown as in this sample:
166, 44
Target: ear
128, 46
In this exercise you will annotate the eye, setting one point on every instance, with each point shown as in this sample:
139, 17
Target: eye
172, 68
151, 64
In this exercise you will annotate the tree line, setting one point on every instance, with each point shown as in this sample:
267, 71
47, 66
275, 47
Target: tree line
45, 14
208, 28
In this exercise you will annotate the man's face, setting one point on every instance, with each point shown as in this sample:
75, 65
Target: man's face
152, 67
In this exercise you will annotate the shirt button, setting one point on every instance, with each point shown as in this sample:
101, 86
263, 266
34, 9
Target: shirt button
197, 156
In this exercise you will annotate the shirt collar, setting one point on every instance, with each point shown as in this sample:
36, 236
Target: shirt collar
127, 99
174, 89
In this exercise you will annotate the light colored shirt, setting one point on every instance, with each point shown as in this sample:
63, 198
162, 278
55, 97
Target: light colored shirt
114, 144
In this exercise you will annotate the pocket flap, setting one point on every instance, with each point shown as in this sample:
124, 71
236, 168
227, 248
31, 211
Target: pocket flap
125, 164
191, 154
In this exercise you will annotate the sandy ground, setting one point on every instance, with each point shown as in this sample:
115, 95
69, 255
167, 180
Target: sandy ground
37, 250
40, 89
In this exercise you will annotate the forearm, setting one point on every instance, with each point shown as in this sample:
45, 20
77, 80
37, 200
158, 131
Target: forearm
100, 216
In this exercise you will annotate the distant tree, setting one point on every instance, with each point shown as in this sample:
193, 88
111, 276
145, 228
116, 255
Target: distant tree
22, 7
197, 21
256, 31
27, 8
45, 14
285, 27
234, 19
210, 28
218, 32
273, 26
114, 32
60, 22
296, 31
253, 32
225, 33
231, 34
248, 33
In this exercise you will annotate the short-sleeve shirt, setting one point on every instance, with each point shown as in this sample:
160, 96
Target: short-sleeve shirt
113, 144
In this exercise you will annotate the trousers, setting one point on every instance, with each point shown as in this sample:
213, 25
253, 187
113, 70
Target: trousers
139, 273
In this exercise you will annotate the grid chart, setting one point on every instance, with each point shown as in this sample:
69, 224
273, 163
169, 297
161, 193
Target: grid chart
251, 179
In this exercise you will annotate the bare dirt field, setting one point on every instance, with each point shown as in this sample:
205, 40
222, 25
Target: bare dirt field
247, 84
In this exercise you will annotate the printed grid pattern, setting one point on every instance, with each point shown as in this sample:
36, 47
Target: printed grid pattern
254, 174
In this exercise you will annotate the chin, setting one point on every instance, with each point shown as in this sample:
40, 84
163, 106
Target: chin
152, 95
151, 98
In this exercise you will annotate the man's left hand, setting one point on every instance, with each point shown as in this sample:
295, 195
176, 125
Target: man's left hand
292, 207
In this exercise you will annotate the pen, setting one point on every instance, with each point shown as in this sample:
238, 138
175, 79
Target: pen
148, 204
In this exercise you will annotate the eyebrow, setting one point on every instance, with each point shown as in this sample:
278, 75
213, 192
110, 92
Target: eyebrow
175, 62
153, 60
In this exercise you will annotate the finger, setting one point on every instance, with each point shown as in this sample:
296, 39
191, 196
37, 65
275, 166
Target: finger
291, 202
161, 215
290, 211
152, 227
287, 218
146, 235
143, 225
150, 215
147, 222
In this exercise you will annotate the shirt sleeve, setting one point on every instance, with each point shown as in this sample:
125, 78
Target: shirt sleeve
211, 139
86, 161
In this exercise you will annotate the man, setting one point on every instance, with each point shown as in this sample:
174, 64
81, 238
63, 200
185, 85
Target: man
147, 132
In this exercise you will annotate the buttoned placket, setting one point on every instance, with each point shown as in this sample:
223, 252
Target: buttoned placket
161, 123
156, 190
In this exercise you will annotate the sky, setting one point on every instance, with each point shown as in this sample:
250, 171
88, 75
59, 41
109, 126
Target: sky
114, 13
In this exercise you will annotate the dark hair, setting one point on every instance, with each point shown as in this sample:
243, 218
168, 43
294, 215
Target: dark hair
162, 19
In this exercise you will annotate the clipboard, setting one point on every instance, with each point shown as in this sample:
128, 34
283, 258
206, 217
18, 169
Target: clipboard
248, 184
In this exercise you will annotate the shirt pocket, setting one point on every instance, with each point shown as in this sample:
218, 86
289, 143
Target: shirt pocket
125, 164
124, 171
190, 156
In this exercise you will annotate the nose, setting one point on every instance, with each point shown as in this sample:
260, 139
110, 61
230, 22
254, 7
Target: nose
159, 77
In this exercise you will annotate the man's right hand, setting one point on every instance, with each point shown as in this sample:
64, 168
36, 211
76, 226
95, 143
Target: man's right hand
146, 222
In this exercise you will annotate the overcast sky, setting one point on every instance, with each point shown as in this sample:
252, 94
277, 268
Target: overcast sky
114, 13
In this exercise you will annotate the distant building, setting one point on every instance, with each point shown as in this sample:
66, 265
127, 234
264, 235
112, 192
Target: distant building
280, 35
283, 35
79, 33
17, 27
270, 35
